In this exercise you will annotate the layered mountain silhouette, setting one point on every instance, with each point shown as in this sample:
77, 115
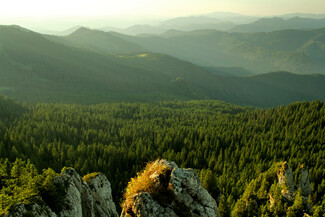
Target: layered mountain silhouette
276, 23
39, 68
229, 22
298, 51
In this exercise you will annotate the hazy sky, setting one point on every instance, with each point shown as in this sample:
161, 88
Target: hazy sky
155, 7
22, 10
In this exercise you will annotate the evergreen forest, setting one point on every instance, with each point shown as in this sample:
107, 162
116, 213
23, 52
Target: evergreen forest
231, 147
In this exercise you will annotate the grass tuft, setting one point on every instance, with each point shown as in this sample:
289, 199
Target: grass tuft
89, 177
145, 182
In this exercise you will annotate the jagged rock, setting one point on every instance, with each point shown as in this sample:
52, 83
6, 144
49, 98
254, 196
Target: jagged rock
304, 183
144, 205
78, 199
187, 196
102, 194
187, 190
30, 210
285, 177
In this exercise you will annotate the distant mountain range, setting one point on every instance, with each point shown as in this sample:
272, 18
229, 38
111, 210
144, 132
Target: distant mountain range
98, 41
256, 52
304, 15
181, 23
298, 51
276, 23
232, 17
40, 68
227, 22
223, 21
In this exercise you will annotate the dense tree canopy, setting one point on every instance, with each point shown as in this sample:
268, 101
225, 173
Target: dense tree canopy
228, 145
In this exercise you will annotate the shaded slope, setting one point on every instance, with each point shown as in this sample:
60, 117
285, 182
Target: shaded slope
35, 69
196, 22
10, 110
98, 41
276, 23
257, 52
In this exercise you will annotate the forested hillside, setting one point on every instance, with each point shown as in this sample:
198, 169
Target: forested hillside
10, 110
228, 145
258, 52
98, 41
36, 69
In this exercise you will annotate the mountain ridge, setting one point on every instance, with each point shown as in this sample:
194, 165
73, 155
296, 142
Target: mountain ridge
36, 68
277, 23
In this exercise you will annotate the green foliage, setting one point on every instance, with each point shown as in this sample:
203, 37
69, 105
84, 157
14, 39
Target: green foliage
272, 202
319, 211
224, 206
209, 181
228, 145
10, 110
298, 206
34, 69
47, 179
19, 183
278, 208
258, 52
103, 42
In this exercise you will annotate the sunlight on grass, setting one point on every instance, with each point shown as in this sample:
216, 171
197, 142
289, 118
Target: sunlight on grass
144, 181
143, 55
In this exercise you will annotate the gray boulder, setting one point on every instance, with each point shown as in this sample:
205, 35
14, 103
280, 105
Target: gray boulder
304, 183
285, 177
39, 210
183, 196
101, 192
79, 199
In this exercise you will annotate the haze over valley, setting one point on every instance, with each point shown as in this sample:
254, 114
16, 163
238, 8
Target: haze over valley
162, 108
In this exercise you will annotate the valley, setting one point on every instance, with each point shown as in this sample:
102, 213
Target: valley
217, 114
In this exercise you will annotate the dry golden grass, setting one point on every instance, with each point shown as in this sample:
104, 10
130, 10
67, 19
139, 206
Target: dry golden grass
87, 178
143, 182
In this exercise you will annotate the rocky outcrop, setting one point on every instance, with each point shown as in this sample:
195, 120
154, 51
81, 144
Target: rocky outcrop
289, 191
304, 183
285, 177
101, 192
79, 199
182, 195
286, 180
39, 210
144, 205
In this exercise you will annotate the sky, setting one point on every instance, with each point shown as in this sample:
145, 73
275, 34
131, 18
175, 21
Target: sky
60, 12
